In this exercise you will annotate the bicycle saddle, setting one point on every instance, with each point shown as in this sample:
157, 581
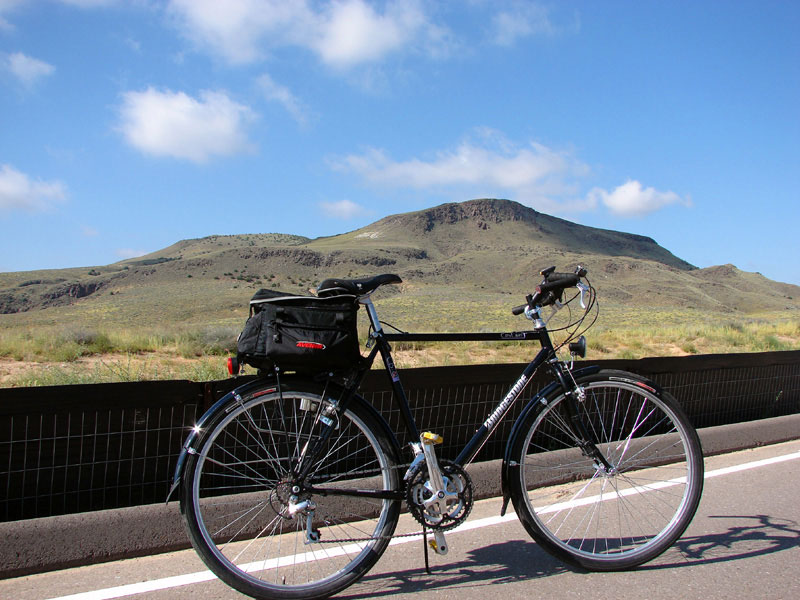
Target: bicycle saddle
357, 287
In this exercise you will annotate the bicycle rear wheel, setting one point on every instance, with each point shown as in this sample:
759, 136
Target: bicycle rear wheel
270, 535
598, 518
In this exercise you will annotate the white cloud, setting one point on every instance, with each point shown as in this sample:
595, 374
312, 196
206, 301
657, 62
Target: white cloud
132, 43
129, 253
488, 166
281, 94
343, 209
20, 192
467, 164
174, 124
26, 69
6, 6
352, 32
342, 33
89, 3
235, 29
632, 200
520, 20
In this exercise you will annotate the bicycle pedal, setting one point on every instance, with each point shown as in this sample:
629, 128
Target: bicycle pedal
438, 544
431, 438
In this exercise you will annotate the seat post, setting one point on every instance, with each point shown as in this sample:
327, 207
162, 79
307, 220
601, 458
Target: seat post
373, 315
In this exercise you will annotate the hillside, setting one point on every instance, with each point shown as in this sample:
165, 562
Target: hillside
462, 264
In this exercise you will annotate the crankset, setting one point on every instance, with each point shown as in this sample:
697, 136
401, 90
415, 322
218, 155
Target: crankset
444, 509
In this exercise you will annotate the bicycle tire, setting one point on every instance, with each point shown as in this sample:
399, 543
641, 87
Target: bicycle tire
236, 493
615, 520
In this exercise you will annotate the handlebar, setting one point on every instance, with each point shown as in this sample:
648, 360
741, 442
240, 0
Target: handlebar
518, 310
551, 288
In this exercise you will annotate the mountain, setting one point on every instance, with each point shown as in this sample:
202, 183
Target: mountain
462, 265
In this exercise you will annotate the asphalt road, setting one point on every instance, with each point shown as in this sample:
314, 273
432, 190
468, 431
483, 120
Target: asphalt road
743, 543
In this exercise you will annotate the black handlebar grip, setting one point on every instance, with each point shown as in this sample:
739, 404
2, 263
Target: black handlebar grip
558, 281
550, 289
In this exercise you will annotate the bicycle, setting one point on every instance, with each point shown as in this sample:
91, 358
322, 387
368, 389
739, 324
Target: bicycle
291, 486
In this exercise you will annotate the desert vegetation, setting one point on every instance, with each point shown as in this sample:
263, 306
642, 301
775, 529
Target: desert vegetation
66, 355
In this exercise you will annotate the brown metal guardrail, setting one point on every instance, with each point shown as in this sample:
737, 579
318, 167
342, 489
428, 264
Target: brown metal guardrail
80, 448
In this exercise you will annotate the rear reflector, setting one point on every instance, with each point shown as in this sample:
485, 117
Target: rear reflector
644, 386
233, 366
311, 345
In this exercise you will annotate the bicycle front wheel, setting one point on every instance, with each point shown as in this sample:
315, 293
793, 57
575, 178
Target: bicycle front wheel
270, 534
604, 518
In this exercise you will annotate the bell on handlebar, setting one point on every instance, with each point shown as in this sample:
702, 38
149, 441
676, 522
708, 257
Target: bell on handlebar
578, 348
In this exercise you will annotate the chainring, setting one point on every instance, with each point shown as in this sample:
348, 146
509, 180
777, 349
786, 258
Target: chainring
458, 486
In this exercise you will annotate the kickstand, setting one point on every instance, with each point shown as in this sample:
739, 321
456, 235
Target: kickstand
425, 546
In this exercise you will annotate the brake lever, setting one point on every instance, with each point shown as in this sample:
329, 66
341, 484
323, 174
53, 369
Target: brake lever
584, 289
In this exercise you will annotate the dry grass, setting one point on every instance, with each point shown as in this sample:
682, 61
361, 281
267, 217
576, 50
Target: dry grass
109, 368
57, 356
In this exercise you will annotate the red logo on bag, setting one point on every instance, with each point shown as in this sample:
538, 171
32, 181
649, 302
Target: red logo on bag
311, 345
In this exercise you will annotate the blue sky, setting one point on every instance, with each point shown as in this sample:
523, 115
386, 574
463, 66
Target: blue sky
127, 126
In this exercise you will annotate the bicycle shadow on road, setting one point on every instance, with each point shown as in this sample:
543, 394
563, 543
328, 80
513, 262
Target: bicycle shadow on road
491, 565
766, 536
506, 562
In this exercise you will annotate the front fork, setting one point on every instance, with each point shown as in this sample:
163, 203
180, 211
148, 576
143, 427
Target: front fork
575, 396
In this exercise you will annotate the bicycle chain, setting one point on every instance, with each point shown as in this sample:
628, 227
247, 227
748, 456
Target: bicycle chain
367, 539
400, 535
405, 466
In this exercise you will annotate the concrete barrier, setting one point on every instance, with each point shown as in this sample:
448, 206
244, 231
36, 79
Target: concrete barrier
46, 544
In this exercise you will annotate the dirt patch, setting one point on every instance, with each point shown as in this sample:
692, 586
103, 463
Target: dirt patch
10, 368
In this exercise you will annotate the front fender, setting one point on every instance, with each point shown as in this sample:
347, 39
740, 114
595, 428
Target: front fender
188, 445
510, 467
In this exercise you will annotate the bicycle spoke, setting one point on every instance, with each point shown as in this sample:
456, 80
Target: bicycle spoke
278, 532
617, 515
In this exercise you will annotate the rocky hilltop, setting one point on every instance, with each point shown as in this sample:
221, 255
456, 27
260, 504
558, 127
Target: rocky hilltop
502, 224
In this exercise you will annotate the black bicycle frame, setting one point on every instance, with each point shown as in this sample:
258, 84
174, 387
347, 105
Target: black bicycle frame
546, 354
488, 427
381, 345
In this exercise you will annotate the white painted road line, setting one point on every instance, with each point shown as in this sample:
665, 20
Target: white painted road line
201, 576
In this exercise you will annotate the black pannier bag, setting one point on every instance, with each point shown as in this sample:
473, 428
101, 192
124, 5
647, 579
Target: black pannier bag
300, 333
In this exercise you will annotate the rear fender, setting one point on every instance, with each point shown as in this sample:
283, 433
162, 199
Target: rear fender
235, 397
232, 397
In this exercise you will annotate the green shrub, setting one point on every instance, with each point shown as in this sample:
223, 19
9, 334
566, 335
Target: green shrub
772, 344
209, 341
90, 340
689, 348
